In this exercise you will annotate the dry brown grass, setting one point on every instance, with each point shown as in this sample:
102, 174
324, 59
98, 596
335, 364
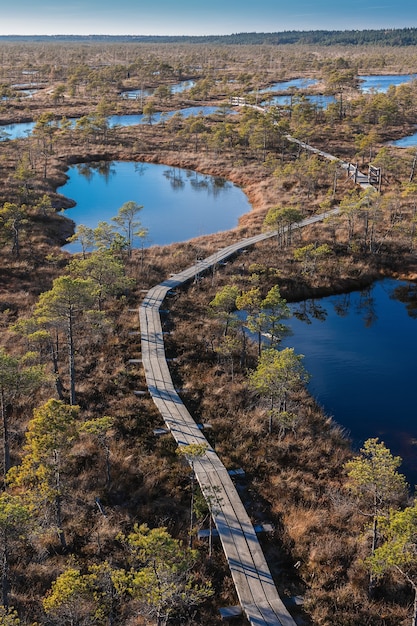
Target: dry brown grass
300, 479
296, 482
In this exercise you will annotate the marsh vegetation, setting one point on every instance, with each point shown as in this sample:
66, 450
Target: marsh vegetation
89, 489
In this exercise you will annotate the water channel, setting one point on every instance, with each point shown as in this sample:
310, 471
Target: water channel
23, 129
178, 204
367, 83
360, 351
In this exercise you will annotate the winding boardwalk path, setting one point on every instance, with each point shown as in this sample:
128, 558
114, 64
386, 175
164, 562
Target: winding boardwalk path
253, 581
255, 587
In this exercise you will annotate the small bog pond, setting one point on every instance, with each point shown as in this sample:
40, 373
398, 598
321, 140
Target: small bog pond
137, 94
178, 204
295, 83
383, 82
360, 349
320, 101
406, 142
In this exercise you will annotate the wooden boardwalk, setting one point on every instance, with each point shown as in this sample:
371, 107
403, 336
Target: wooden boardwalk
255, 588
352, 170
254, 585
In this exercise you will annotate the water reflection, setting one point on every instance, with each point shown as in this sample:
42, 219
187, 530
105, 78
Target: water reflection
320, 101
103, 168
211, 185
366, 307
175, 177
360, 350
309, 310
139, 94
140, 168
178, 204
407, 294
342, 305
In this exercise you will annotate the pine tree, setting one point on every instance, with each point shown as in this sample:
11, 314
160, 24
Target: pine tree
278, 373
49, 439
374, 481
17, 381
69, 302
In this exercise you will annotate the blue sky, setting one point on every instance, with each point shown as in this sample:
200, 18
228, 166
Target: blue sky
194, 17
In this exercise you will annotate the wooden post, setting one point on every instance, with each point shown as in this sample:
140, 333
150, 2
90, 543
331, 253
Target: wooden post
413, 168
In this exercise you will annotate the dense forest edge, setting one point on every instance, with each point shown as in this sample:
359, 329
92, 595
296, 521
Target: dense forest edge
381, 37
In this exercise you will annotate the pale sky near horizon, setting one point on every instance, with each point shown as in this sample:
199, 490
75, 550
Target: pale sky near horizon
194, 17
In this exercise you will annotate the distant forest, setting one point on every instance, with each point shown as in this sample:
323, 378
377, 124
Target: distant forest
383, 37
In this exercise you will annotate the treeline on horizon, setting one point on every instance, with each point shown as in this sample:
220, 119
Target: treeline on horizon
382, 37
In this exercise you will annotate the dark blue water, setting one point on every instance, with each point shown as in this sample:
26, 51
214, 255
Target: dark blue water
23, 129
178, 204
361, 351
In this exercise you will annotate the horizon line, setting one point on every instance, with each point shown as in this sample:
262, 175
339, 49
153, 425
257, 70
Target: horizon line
248, 32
